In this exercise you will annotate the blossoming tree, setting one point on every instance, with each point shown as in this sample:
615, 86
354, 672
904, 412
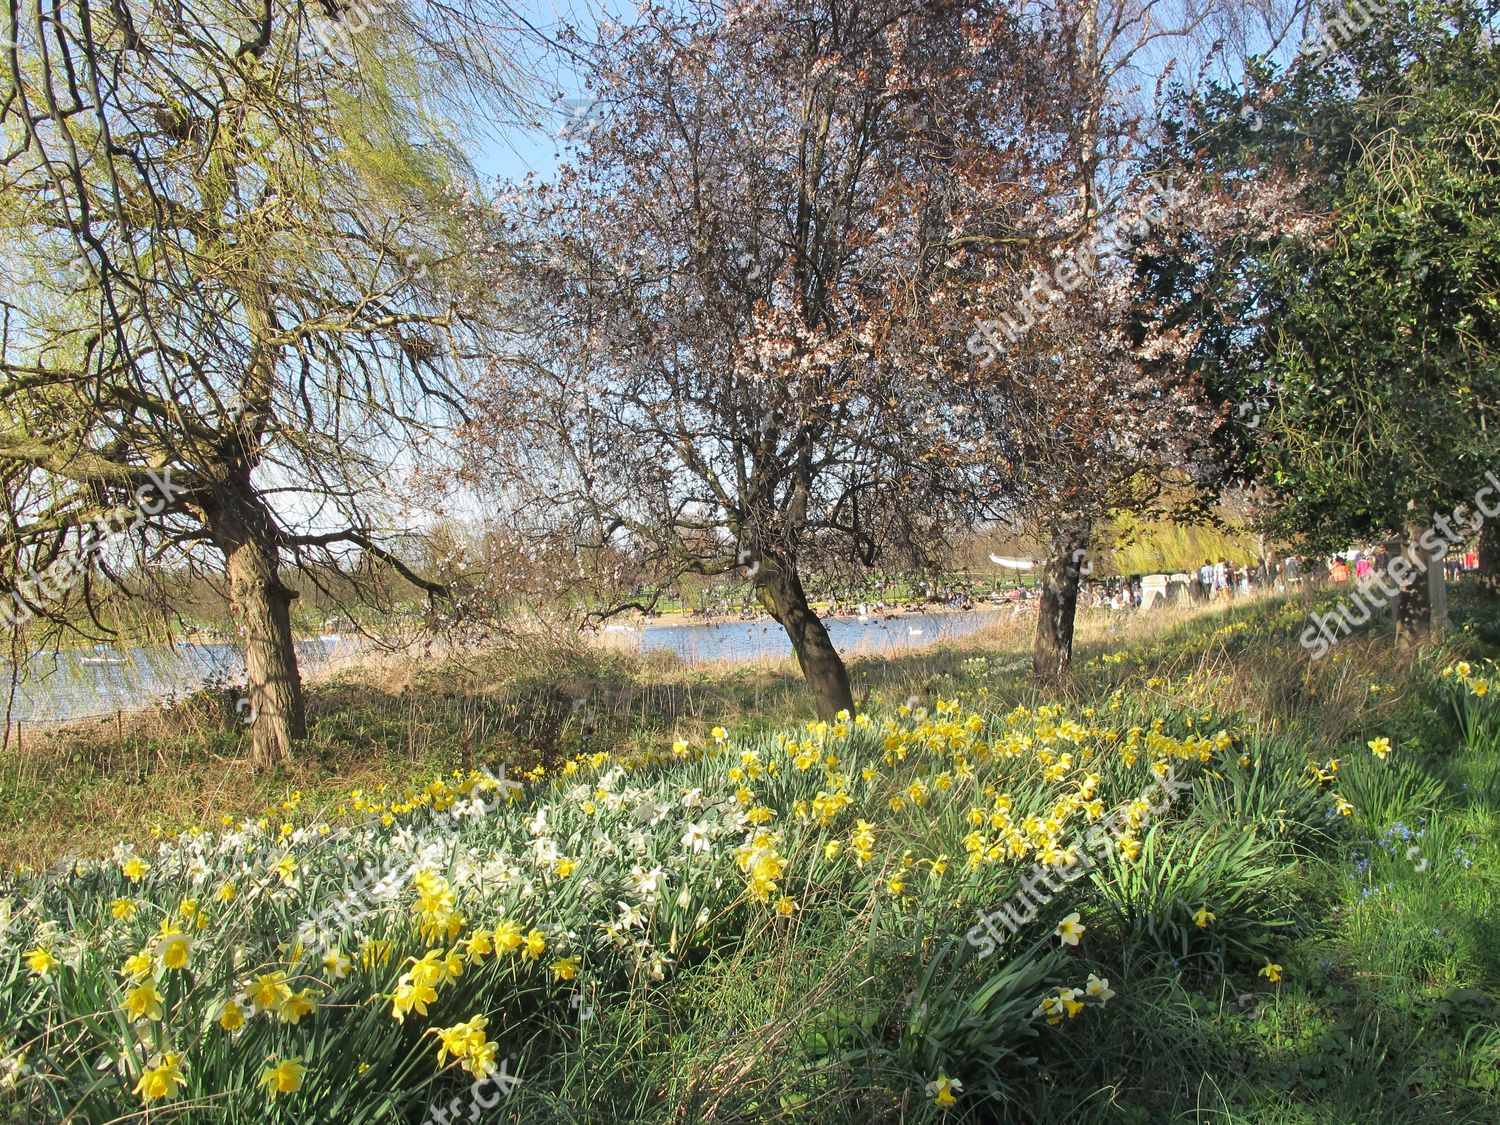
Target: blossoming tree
730, 364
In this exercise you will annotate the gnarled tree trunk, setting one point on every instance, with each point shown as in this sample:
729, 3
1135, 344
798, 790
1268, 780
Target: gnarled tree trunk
780, 590
243, 529
1052, 652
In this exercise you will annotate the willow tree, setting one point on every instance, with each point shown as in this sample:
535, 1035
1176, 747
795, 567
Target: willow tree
728, 368
233, 265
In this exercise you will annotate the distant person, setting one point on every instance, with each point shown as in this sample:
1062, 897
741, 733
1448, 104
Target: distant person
1221, 578
1206, 581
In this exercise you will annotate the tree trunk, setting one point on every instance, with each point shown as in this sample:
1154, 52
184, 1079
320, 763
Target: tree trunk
1052, 653
1488, 575
1414, 602
277, 714
780, 590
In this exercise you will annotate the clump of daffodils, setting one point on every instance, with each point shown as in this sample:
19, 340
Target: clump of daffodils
467, 1044
1067, 1003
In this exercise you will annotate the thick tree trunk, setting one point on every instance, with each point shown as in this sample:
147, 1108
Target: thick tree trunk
277, 713
1052, 652
780, 590
1488, 575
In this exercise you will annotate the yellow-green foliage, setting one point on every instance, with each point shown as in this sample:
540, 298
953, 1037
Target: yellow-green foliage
1161, 547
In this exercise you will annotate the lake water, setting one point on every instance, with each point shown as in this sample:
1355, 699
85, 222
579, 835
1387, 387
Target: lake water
852, 636
80, 684
77, 684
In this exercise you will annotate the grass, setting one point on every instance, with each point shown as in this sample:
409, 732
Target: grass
717, 1006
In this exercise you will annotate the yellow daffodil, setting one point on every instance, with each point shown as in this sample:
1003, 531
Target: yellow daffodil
535, 945
232, 1016
411, 997
1203, 916
508, 937
143, 1001
283, 1078
40, 961
1272, 971
175, 951
336, 965
162, 1080
294, 1007
565, 968
1380, 747
479, 944
268, 990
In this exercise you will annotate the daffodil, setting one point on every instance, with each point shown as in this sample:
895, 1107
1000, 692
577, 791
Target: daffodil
1069, 929
162, 1080
535, 945
1380, 747
232, 1016
944, 1091
479, 944
283, 1078
1272, 971
411, 997
1203, 916
294, 1007
143, 1001
123, 908
175, 951
1098, 989
268, 990
336, 965
40, 961
508, 937
565, 968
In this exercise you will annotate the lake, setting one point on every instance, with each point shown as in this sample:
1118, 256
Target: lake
852, 636
78, 684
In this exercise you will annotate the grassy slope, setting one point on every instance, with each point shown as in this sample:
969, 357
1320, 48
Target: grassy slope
1385, 1012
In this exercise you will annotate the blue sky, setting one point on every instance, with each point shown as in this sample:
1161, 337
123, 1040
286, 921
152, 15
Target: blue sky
511, 153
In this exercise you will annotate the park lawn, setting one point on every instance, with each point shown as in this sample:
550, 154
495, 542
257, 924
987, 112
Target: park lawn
766, 920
